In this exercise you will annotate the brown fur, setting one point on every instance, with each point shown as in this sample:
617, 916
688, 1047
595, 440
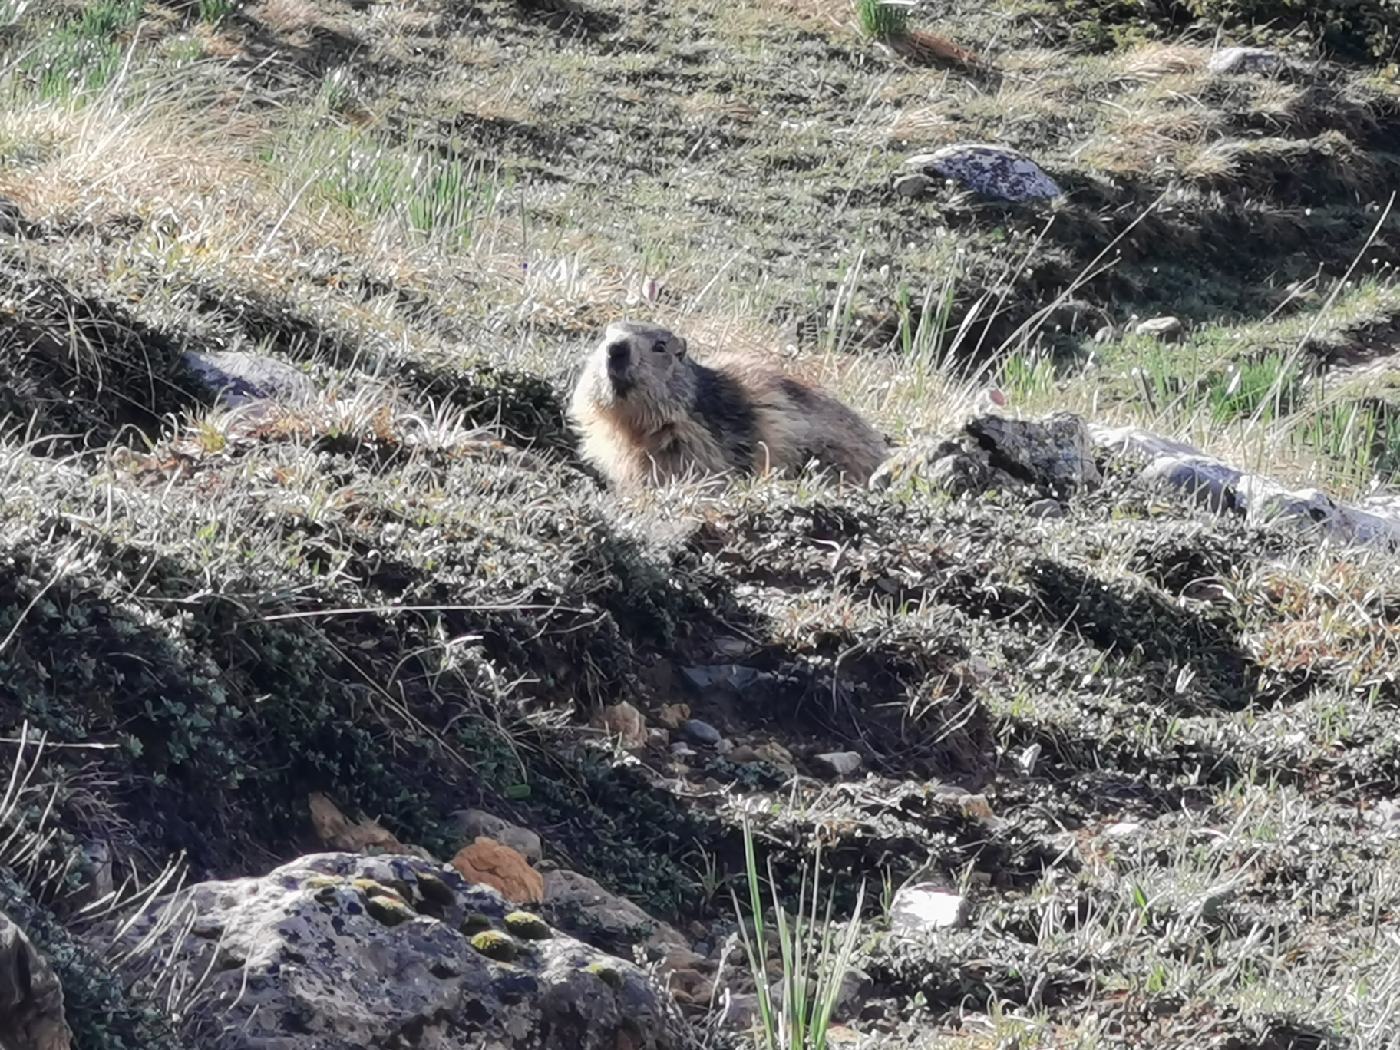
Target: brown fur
648, 414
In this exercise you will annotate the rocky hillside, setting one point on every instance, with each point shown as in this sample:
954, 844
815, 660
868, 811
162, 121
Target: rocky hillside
342, 706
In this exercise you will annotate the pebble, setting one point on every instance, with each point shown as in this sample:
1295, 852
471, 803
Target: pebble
841, 763
700, 732
924, 906
1167, 329
912, 185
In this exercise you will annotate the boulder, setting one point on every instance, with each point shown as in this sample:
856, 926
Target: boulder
1049, 457
487, 862
994, 171
341, 952
31, 999
476, 823
580, 905
1217, 485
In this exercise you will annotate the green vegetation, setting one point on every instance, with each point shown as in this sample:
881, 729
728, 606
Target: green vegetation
815, 959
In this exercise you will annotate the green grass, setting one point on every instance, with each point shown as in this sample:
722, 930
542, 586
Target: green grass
815, 956
883, 19
429, 196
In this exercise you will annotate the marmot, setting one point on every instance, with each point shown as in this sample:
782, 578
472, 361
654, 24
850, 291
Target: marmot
649, 414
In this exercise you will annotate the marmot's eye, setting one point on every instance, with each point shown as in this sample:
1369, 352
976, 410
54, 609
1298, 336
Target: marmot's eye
658, 347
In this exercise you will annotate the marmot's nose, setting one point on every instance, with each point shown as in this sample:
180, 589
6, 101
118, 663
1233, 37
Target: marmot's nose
618, 355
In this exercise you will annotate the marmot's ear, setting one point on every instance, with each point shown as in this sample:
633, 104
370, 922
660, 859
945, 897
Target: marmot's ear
681, 346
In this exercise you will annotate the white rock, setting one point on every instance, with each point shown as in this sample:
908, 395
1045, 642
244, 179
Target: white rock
995, 171
1246, 60
841, 763
1167, 329
923, 906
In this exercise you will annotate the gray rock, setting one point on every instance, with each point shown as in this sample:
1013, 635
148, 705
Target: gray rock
840, 763
1055, 453
994, 171
923, 906
1208, 482
237, 377
31, 999
1246, 60
1045, 508
733, 677
341, 951
473, 822
581, 906
700, 732
1165, 329
913, 185
1053, 456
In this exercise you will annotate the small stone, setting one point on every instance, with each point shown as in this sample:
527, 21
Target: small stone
723, 746
624, 722
495, 945
658, 737
488, 862
978, 808
1125, 829
1045, 508
1246, 60
1028, 759
913, 185
841, 763
700, 732
682, 750
1165, 329
992, 170
673, 716
474, 823
923, 906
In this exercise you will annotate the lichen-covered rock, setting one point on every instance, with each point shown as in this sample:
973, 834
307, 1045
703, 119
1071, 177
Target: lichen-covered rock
295, 961
995, 171
1049, 457
31, 999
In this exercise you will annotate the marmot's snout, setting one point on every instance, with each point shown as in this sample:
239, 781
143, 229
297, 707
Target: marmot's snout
620, 367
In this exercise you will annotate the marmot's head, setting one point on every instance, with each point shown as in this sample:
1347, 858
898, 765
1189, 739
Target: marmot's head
639, 371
